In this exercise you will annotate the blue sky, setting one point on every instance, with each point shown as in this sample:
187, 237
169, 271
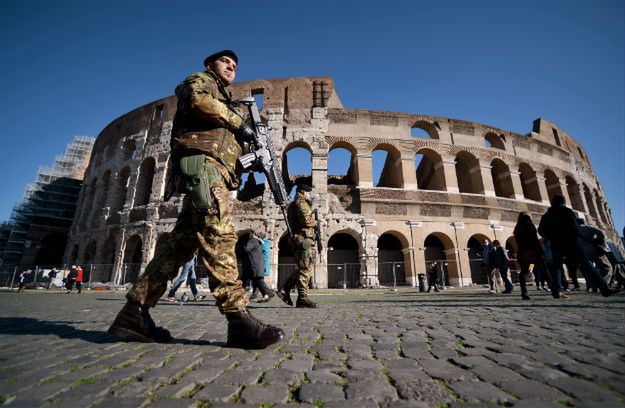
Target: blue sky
70, 67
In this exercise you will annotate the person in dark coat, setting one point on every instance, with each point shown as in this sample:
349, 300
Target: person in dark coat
253, 264
502, 263
488, 260
559, 226
433, 277
529, 250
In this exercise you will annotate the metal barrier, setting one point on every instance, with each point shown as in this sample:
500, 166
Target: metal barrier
343, 276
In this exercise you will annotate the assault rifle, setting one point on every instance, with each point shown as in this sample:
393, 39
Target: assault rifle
318, 232
263, 158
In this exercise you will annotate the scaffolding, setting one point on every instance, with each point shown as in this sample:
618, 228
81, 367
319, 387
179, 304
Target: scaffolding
49, 203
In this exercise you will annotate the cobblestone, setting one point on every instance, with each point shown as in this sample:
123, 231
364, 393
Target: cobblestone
458, 348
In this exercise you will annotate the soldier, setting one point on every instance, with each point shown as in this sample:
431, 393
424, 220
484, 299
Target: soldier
302, 223
206, 141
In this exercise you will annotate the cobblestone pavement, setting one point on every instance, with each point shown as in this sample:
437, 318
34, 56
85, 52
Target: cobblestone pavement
365, 348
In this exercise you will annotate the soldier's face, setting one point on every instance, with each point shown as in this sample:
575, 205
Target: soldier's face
225, 68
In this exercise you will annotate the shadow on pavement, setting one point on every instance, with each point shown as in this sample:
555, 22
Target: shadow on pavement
64, 330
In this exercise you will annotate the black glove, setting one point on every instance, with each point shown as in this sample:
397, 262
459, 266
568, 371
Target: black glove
245, 134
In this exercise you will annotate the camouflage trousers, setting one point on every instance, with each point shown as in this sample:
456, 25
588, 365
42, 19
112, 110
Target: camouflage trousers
301, 278
212, 232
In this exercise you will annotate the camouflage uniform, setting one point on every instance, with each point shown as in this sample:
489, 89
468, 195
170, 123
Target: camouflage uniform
203, 125
302, 223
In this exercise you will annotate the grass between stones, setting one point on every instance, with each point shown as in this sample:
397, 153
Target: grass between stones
295, 388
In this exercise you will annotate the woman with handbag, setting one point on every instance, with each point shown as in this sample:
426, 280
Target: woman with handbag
529, 249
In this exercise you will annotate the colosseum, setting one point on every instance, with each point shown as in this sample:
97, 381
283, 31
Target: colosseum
445, 185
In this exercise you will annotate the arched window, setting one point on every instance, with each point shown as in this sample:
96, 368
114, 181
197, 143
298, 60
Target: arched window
387, 167
502, 180
430, 172
391, 265
469, 174
342, 165
529, 182
493, 140
144, 182
343, 261
553, 184
297, 164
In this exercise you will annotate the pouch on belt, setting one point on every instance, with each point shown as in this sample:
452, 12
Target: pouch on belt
199, 177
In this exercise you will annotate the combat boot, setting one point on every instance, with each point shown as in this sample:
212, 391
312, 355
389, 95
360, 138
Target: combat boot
134, 322
247, 332
285, 294
304, 302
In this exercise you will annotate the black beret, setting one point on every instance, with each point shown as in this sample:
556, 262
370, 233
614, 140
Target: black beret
227, 53
304, 187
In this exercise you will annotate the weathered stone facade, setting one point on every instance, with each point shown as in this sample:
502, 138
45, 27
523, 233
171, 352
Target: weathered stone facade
470, 181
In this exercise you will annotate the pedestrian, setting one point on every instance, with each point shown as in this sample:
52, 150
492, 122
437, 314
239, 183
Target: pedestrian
71, 279
206, 139
433, 275
254, 264
560, 229
530, 251
79, 278
51, 277
502, 263
592, 241
23, 279
302, 224
188, 272
488, 261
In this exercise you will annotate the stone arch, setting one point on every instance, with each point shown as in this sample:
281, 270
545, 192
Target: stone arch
286, 259
574, 194
104, 190
552, 182
90, 252
341, 150
301, 170
590, 203
393, 259
479, 274
133, 257
493, 140
424, 126
430, 171
108, 250
529, 182
469, 173
143, 190
121, 190
391, 175
502, 180
599, 204
73, 257
344, 251
129, 149
87, 204
440, 247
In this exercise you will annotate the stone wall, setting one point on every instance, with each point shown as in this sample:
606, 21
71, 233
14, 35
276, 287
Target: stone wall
446, 181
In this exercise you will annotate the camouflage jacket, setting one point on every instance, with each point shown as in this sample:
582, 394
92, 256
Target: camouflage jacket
204, 123
301, 218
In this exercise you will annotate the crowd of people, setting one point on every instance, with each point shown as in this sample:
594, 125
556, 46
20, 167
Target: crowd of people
566, 245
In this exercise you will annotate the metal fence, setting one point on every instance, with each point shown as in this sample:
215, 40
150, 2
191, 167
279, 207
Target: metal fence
342, 276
